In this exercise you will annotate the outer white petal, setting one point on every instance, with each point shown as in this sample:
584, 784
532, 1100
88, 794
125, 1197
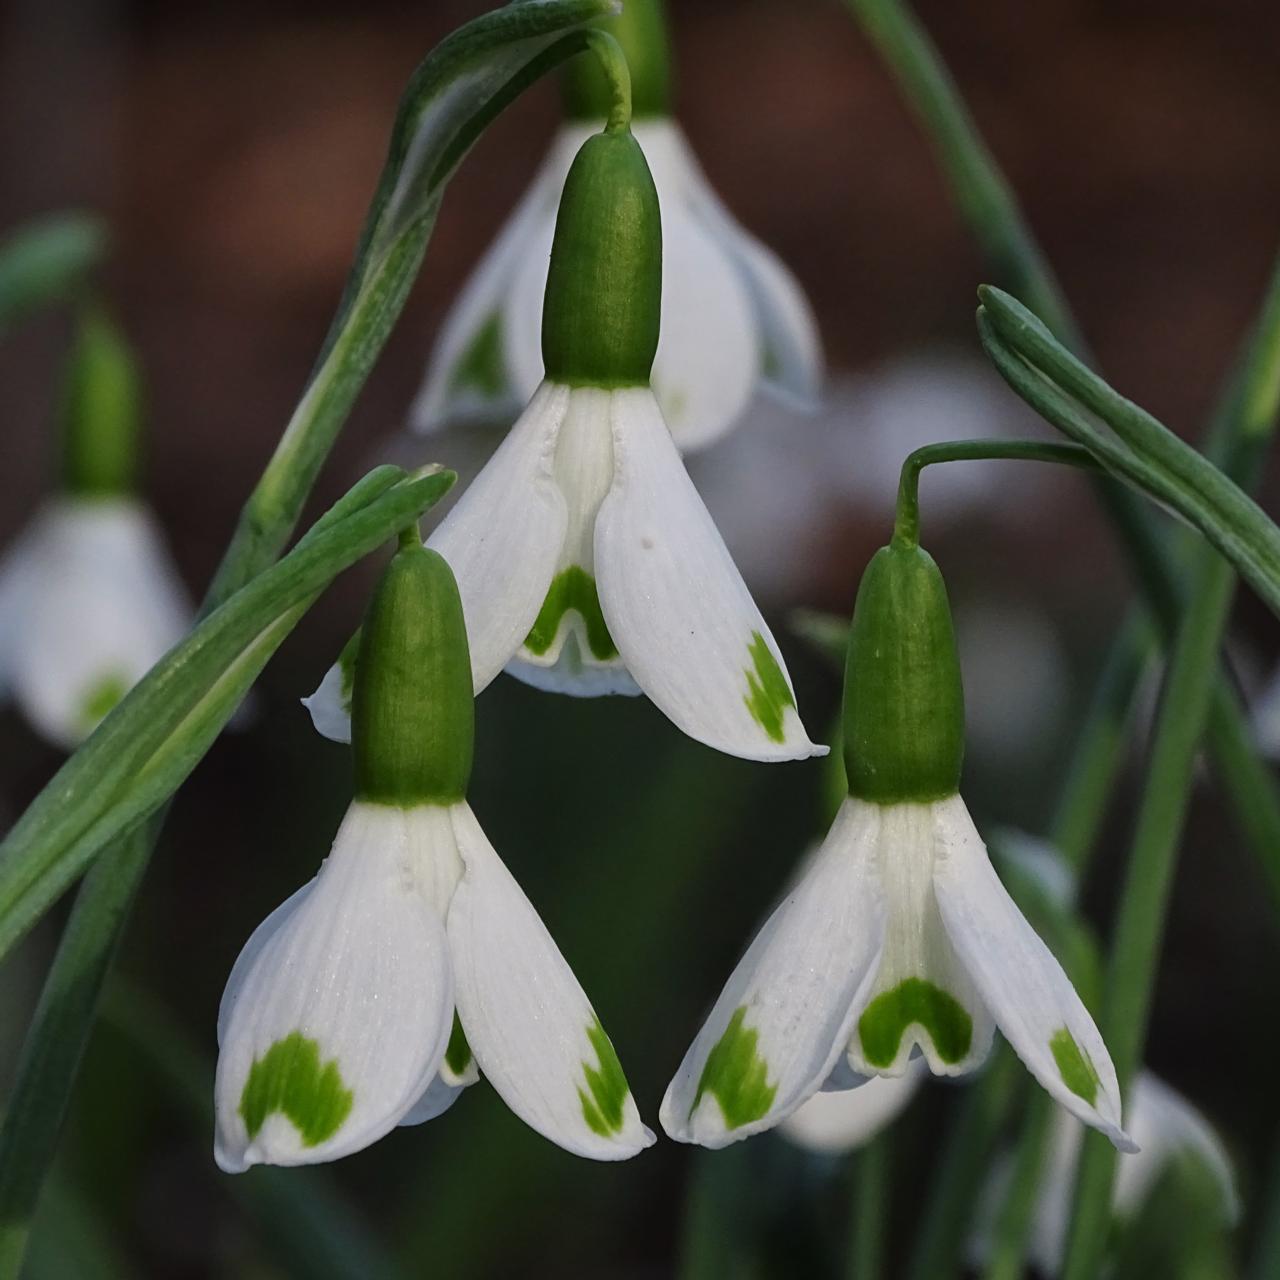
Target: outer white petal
789, 350
1032, 1000
445, 396
783, 1018
356, 968
330, 705
103, 603
533, 1032
708, 358
503, 537
1266, 716
676, 606
835, 1122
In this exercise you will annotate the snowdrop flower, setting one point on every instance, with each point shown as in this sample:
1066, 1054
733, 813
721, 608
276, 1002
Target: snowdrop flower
1166, 1126
733, 317
586, 560
900, 939
89, 598
412, 963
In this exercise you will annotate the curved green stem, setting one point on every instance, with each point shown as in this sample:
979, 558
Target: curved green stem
613, 64
906, 525
871, 1186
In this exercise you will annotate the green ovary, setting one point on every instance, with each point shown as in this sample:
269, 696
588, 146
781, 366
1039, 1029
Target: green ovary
736, 1075
768, 694
290, 1079
605, 1097
573, 589
1074, 1065
101, 698
480, 367
914, 1002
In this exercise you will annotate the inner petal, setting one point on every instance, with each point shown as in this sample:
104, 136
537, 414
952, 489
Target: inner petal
922, 998
569, 648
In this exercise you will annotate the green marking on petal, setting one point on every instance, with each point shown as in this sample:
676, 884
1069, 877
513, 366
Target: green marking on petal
605, 1096
770, 364
480, 367
573, 588
914, 1002
289, 1079
101, 698
769, 694
737, 1075
457, 1056
1074, 1065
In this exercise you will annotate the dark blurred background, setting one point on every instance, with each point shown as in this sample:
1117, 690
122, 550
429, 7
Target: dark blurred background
232, 148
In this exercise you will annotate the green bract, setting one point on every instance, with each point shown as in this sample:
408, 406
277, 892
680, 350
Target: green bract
413, 714
100, 411
641, 30
604, 288
903, 703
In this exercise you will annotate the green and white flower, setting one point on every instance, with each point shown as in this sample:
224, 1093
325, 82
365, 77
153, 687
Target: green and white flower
733, 316
89, 596
585, 557
413, 963
1168, 1129
900, 938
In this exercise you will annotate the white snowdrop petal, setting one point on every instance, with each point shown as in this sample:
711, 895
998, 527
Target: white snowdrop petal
783, 1018
789, 352
504, 535
676, 606
17, 579
923, 997
1032, 1000
834, 1122
338, 1016
102, 604
531, 1028
330, 705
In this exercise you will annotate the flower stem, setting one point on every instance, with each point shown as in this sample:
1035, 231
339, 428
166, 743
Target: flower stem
613, 63
906, 525
871, 1187
1184, 713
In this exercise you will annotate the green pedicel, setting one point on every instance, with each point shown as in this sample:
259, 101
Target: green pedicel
903, 703
914, 1002
1074, 1065
641, 31
289, 1079
413, 711
573, 588
605, 1097
604, 288
736, 1075
768, 695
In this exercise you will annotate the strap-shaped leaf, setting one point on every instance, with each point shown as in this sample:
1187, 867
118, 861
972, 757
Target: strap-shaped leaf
153, 739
